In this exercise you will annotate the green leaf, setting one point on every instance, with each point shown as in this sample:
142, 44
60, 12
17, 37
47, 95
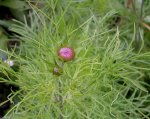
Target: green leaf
14, 4
3, 40
5, 23
138, 85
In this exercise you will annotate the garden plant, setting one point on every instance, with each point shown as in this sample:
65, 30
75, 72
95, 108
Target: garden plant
76, 59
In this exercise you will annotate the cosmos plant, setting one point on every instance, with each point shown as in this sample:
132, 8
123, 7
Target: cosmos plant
96, 76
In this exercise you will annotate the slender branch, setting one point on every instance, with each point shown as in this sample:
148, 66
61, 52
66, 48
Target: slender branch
146, 25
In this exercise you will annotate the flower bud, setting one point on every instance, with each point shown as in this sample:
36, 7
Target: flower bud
57, 71
66, 53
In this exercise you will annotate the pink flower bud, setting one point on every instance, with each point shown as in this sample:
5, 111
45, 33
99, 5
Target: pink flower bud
66, 53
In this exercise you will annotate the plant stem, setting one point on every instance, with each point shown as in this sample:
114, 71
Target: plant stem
141, 10
60, 98
138, 33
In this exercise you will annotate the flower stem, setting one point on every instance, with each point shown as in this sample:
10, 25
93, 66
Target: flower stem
60, 98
